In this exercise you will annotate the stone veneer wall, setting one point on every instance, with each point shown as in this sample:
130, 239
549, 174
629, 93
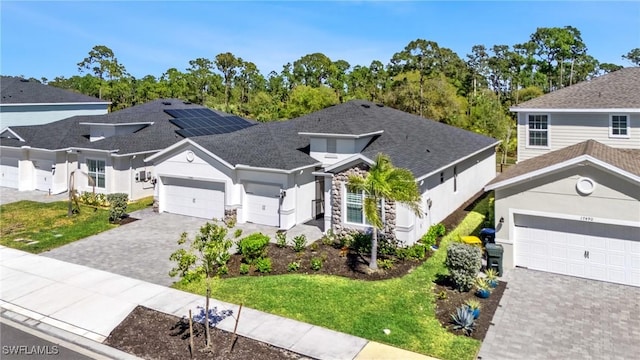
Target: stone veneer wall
337, 226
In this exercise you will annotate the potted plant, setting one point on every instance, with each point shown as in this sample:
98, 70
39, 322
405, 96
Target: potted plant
483, 289
473, 306
492, 277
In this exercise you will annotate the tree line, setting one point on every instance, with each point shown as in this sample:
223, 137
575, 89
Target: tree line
423, 78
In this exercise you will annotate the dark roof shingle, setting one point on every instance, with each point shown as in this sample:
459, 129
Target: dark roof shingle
617, 90
624, 159
15, 90
412, 142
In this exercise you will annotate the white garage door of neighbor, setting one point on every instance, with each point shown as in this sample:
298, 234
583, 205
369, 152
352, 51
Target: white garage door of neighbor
263, 204
203, 199
44, 175
9, 172
578, 248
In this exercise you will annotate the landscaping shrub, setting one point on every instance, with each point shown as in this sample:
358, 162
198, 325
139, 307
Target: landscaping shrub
316, 263
263, 265
281, 239
237, 233
329, 239
463, 320
314, 246
253, 247
223, 270
118, 206
463, 262
385, 264
293, 266
434, 231
415, 252
361, 243
93, 199
299, 243
244, 269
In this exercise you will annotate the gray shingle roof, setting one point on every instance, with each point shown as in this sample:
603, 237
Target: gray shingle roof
414, 143
617, 90
624, 159
69, 133
15, 90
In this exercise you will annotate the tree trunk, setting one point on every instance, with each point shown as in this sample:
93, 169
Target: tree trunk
206, 316
373, 264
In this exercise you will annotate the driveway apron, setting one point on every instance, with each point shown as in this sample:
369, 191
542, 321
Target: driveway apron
549, 316
139, 250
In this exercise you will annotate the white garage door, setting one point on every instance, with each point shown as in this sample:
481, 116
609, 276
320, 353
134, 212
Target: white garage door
203, 199
584, 249
44, 175
263, 204
9, 172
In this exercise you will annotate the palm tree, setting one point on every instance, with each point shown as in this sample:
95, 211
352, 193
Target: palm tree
384, 181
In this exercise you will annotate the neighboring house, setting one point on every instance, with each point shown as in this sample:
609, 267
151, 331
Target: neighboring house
605, 109
571, 205
108, 148
286, 173
24, 102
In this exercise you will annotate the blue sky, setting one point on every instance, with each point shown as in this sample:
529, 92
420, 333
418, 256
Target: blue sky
48, 39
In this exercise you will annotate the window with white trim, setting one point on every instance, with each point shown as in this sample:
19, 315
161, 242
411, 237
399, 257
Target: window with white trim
538, 130
619, 126
354, 204
96, 171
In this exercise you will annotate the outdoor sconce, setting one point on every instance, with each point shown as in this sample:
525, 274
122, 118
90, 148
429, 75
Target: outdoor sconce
283, 193
501, 220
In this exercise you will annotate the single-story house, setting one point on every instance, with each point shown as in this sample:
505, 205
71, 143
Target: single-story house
573, 211
26, 102
110, 148
286, 173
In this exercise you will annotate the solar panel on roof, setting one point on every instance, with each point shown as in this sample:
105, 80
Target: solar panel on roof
202, 121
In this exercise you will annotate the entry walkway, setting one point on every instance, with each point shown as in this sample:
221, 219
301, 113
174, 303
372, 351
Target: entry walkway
90, 303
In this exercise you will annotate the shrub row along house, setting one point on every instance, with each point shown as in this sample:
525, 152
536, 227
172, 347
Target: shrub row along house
572, 203
203, 163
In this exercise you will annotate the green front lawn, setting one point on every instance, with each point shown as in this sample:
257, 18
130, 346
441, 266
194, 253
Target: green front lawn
363, 308
24, 222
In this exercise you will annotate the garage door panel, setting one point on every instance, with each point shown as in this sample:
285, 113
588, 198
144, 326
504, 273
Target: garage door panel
579, 249
263, 204
9, 174
203, 199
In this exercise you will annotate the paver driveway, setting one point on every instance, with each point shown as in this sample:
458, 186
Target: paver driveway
142, 248
139, 250
548, 316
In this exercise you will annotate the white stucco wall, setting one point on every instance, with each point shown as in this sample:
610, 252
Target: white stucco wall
567, 129
125, 169
473, 174
614, 199
34, 114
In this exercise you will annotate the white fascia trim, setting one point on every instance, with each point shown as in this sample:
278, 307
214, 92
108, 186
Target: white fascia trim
26, 147
609, 221
349, 160
320, 173
174, 176
194, 144
341, 136
13, 132
117, 124
135, 153
559, 166
458, 161
600, 110
279, 171
69, 103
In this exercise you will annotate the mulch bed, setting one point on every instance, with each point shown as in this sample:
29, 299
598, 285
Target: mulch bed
454, 299
153, 335
150, 334
126, 220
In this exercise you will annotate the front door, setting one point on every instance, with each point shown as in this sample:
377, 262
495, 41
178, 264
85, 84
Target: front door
318, 202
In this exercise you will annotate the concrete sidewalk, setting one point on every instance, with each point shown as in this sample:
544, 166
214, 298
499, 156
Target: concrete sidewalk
90, 303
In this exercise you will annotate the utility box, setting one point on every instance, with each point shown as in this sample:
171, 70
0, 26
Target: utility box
494, 257
488, 236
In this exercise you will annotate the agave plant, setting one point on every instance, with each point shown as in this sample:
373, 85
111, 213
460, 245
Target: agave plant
463, 320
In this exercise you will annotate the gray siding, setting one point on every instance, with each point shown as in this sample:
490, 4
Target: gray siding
567, 129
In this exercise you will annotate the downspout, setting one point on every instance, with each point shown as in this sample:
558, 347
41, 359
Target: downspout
131, 176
